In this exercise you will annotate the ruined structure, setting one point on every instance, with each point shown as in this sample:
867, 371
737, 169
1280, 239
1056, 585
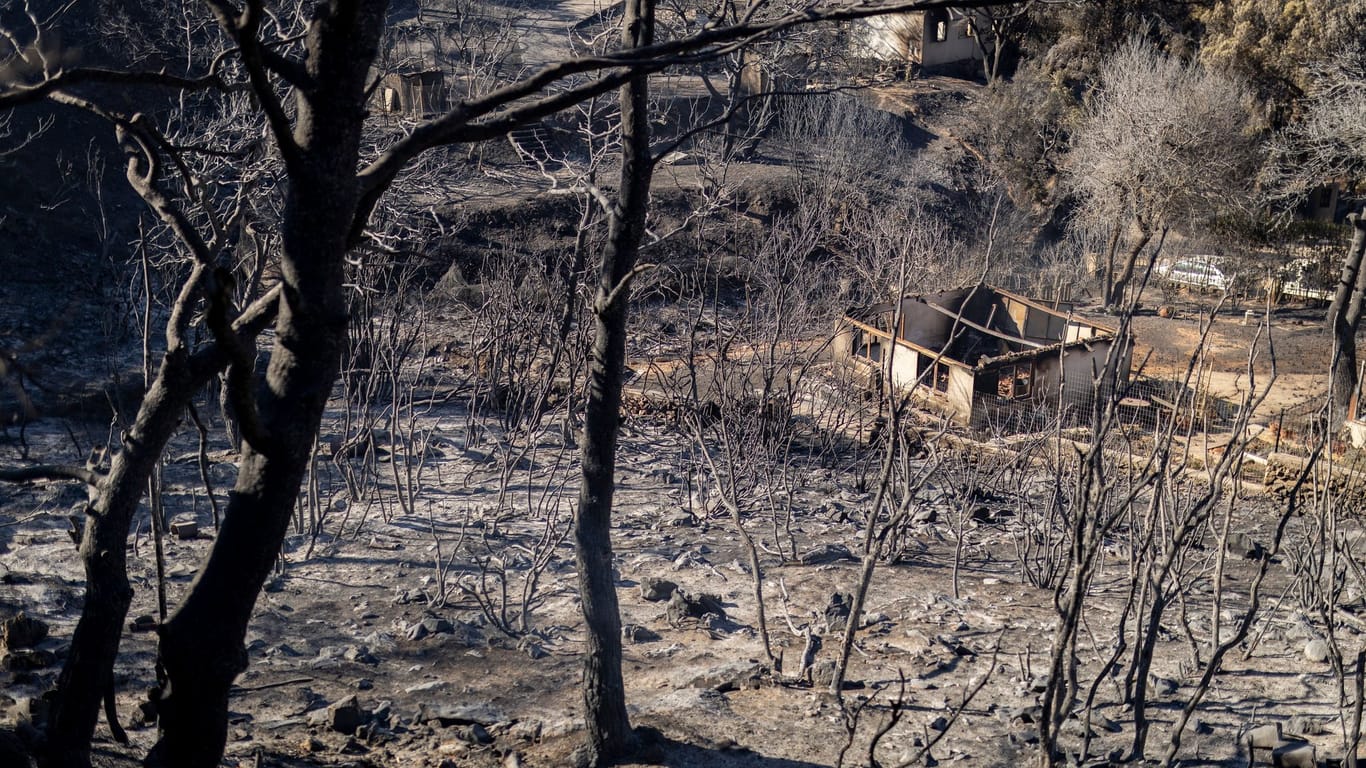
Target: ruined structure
981, 354
935, 40
414, 93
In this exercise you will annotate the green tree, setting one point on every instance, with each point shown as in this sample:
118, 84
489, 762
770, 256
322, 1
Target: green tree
1277, 45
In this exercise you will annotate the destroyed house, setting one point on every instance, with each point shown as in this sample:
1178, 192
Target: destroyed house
981, 354
415, 93
935, 40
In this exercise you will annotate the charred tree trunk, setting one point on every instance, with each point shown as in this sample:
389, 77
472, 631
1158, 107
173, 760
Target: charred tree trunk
87, 675
1126, 272
1143, 659
88, 671
202, 643
1107, 269
1344, 316
604, 693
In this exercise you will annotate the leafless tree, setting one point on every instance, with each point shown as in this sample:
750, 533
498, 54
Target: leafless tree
746, 386
993, 28
1329, 142
1162, 144
306, 72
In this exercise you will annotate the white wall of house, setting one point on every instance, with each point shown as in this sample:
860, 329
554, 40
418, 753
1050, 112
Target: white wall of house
960, 393
1076, 371
904, 362
894, 37
902, 37
957, 45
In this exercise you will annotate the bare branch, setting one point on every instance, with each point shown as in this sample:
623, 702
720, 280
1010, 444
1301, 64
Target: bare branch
50, 472
242, 27
64, 80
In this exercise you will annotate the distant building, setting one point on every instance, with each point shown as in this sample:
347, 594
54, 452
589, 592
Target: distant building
1323, 203
416, 93
982, 354
935, 40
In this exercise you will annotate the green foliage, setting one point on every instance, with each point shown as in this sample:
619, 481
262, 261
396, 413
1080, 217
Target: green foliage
1277, 46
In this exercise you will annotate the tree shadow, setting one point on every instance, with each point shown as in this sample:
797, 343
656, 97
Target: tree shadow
664, 751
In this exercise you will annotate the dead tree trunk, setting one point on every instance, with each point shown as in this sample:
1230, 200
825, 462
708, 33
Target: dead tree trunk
1344, 315
604, 692
87, 675
88, 671
202, 643
1126, 272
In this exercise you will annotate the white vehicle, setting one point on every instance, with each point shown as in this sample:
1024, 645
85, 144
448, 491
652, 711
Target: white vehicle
1306, 279
1201, 272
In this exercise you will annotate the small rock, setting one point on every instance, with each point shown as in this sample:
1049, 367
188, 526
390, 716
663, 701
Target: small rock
364, 684
1162, 686
430, 685
939, 724
532, 648
379, 641
1076, 728
874, 619
475, 733
359, 654
525, 730
634, 633
27, 659
683, 606
657, 590
21, 631
1316, 650
1264, 736
312, 744
1244, 546
447, 715
353, 747
1105, 724
826, 553
346, 715
1302, 725
837, 611
438, 626
416, 631
823, 673
683, 519
1295, 755
731, 677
